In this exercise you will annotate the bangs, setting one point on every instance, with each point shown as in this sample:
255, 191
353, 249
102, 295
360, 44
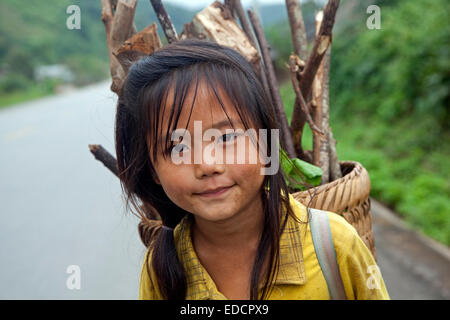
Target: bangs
219, 80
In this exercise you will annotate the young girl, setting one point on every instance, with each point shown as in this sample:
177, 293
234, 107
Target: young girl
228, 231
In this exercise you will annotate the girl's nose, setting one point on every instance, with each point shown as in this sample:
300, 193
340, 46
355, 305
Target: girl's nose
211, 162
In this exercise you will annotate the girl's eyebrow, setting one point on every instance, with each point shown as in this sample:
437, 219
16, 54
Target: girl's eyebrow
223, 123
216, 125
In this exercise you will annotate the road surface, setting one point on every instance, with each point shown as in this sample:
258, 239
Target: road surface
60, 206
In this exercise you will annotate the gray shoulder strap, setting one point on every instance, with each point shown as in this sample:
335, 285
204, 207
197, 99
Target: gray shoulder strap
324, 247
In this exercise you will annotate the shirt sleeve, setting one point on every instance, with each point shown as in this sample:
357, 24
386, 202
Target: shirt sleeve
359, 271
148, 290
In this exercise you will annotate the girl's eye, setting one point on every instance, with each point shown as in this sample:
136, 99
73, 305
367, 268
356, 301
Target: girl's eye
228, 137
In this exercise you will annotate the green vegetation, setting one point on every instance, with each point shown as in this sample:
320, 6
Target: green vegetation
34, 34
389, 98
26, 92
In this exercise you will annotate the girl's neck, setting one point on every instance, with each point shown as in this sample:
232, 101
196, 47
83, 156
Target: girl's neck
242, 231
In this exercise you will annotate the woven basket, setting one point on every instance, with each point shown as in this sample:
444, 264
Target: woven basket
348, 197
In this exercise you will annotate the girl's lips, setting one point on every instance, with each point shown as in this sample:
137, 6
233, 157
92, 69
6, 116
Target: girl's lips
216, 193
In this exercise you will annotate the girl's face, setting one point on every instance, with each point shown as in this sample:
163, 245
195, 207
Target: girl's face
186, 183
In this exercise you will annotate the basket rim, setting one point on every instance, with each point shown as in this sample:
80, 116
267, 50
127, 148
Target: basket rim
356, 171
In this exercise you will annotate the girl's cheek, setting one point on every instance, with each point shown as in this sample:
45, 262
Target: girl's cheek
247, 174
176, 182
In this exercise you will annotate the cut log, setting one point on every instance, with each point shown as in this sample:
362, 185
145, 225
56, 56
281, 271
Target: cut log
118, 27
123, 22
216, 23
141, 44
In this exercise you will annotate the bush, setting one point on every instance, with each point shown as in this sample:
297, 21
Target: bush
400, 70
14, 82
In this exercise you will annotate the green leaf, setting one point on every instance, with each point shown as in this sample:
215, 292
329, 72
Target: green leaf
298, 171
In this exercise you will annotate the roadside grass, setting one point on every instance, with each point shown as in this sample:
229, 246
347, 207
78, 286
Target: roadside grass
8, 99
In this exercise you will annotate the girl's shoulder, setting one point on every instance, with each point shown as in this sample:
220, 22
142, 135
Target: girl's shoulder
343, 233
148, 284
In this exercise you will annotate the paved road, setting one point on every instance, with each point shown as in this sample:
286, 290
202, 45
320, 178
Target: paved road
413, 266
61, 207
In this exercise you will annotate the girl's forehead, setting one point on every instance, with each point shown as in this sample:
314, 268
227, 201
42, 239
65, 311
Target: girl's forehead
202, 105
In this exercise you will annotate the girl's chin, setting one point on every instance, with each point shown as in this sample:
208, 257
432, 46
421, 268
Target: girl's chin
215, 215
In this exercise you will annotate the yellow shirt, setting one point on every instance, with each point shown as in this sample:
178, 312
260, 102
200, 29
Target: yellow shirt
299, 277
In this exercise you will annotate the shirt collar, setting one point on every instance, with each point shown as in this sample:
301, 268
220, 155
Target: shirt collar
200, 285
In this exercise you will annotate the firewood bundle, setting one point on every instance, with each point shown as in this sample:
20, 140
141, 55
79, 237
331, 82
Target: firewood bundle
227, 24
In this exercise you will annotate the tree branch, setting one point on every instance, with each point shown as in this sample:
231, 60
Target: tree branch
298, 31
164, 20
306, 76
104, 157
237, 7
299, 97
321, 44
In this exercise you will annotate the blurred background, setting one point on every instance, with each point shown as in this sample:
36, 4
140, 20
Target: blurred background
389, 110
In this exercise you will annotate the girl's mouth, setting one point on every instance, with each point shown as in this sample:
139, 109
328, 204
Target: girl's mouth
215, 193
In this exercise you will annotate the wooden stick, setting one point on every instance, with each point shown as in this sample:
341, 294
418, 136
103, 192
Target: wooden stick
121, 27
102, 155
335, 167
306, 76
115, 67
164, 20
301, 101
260, 71
300, 44
123, 22
229, 5
273, 85
107, 17
298, 31
321, 116
298, 120
113, 5
321, 44
237, 7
